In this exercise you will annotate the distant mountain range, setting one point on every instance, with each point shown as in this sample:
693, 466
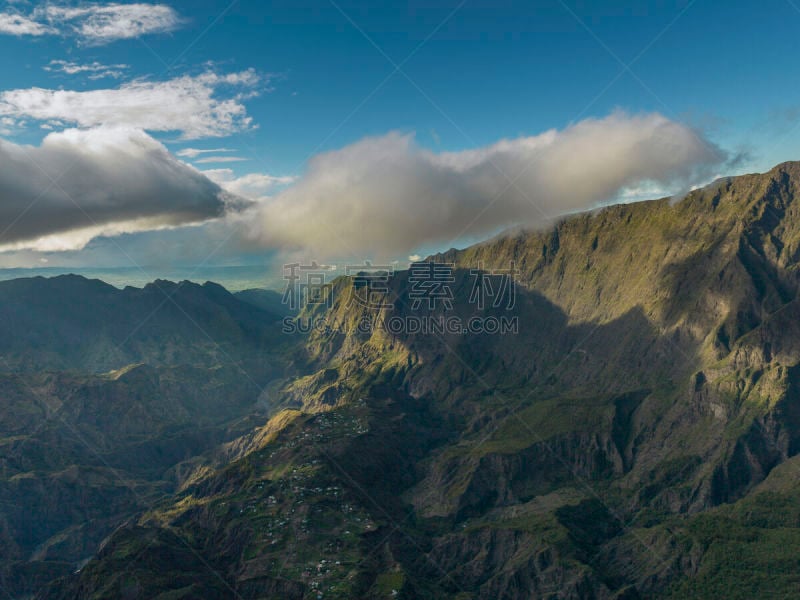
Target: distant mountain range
233, 278
72, 322
635, 436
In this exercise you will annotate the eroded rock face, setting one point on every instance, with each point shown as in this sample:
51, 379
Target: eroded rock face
510, 564
499, 480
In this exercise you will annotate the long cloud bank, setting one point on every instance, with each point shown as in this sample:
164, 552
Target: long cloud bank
384, 196
80, 184
379, 197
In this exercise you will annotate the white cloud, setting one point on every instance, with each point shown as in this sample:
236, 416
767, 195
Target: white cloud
205, 105
93, 24
107, 181
15, 24
95, 70
212, 242
220, 159
8, 125
103, 23
383, 196
195, 152
643, 191
253, 186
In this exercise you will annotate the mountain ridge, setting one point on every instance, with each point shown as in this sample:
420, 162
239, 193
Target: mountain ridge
87, 324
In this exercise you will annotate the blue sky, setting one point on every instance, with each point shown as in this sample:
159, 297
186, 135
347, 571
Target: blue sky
267, 87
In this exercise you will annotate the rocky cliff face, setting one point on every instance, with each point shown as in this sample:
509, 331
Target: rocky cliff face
637, 437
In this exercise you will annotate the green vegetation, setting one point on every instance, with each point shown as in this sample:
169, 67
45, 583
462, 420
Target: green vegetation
636, 439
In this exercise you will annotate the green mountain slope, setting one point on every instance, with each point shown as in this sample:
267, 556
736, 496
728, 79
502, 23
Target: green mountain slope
82, 451
637, 438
